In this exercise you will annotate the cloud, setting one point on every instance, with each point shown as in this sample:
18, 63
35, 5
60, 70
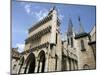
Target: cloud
41, 14
20, 47
28, 8
61, 16
38, 13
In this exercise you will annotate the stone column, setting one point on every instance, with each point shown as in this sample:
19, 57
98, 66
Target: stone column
46, 64
67, 63
40, 67
71, 64
36, 66
76, 66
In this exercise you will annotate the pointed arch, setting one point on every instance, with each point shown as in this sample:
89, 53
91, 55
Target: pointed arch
41, 63
86, 67
30, 63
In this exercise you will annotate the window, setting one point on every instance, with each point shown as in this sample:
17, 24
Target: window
56, 62
14, 66
82, 45
56, 38
68, 41
71, 42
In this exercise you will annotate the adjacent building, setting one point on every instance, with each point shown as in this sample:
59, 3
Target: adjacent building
15, 55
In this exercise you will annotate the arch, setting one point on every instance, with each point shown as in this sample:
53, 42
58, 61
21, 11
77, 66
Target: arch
85, 67
41, 63
30, 63
21, 63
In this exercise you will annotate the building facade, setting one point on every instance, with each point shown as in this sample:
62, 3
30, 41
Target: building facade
46, 52
43, 46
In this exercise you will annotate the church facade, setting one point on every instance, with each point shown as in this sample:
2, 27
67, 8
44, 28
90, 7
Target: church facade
46, 52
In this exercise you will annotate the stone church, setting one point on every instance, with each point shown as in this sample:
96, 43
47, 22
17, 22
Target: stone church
46, 52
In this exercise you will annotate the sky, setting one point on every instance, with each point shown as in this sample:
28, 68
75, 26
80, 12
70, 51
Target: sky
26, 14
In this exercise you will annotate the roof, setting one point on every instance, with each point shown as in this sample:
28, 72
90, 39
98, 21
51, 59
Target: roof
81, 35
70, 28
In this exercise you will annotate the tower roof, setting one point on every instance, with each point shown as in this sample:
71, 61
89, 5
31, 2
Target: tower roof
70, 27
81, 28
52, 9
81, 32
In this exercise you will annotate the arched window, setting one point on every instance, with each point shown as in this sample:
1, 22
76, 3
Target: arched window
71, 42
56, 37
56, 62
68, 41
82, 45
85, 67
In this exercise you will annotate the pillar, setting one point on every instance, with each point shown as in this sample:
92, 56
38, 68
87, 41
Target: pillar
40, 68
46, 64
76, 65
67, 64
36, 66
71, 64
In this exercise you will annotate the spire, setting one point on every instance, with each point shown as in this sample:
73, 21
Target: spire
81, 29
54, 7
70, 28
51, 10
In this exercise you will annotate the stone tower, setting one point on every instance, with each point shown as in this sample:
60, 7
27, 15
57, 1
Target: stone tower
69, 56
42, 51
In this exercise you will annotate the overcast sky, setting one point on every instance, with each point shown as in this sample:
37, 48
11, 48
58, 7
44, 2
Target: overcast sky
25, 14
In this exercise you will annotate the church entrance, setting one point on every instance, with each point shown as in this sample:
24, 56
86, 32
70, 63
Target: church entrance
41, 63
30, 64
